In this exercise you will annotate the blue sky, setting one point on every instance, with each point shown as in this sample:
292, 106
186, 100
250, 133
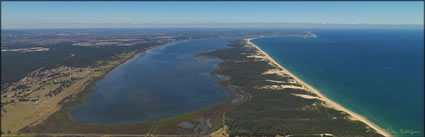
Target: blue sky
138, 14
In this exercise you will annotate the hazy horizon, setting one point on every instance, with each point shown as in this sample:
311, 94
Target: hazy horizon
39, 15
231, 26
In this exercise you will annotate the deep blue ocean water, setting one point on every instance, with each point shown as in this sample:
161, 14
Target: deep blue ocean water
377, 73
164, 82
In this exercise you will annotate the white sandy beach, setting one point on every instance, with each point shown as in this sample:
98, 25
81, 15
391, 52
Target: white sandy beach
329, 102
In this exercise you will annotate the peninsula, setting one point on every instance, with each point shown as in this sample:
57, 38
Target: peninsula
282, 71
293, 107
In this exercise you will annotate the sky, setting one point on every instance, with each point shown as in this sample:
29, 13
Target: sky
79, 14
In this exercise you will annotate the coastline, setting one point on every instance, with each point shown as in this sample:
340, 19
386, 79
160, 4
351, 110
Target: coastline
329, 102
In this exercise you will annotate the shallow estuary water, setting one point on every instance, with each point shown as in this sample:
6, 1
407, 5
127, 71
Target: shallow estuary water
162, 83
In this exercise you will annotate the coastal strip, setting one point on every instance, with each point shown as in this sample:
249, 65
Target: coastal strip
307, 87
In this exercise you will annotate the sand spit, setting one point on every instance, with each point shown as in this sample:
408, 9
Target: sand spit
283, 72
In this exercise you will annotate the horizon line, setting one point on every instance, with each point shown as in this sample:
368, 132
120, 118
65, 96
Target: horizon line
218, 25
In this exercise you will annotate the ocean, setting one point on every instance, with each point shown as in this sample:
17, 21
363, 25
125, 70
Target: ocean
377, 73
165, 82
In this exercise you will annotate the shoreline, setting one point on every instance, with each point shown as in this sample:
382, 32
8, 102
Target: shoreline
95, 80
317, 92
80, 96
